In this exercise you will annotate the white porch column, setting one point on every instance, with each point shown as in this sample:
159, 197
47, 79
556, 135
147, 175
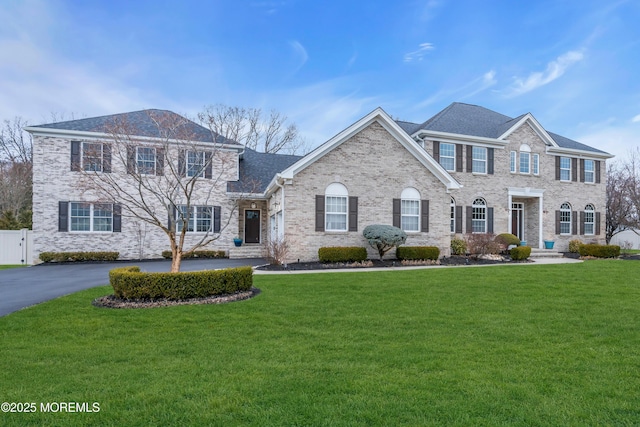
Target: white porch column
509, 210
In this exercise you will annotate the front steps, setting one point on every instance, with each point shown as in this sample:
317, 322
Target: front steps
247, 251
545, 253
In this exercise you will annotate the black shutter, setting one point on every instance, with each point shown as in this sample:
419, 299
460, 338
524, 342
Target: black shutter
490, 161
63, 216
396, 213
353, 214
574, 222
106, 158
208, 167
131, 160
557, 170
436, 151
598, 172
469, 158
75, 156
159, 161
117, 218
574, 170
319, 212
459, 158
581, 222
181, 163
458, 219
217, 213
424, 220
490, 220
598, 219
468, 219
558, 215
581, 172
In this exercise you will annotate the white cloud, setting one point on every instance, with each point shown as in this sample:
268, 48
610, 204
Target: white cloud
618, 140
636, 119
417, 55
300, 54
554, 70
467, 90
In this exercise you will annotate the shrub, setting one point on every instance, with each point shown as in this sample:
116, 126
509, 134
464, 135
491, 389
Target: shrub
507, 239
520, 253
482, 244
131, 284
458, 246
342, 254
600, 251
383, 238
574, 246
277, 251
208, 254
417, 252
78, 256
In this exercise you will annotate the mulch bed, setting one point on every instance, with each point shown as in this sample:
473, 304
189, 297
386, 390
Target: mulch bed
111, 301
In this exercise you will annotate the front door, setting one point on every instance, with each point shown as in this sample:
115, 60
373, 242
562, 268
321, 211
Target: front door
517, 220
252, 226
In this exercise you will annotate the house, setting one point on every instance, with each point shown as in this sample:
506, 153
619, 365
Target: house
465, 170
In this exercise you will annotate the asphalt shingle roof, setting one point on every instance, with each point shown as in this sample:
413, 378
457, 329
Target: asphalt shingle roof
473, 120
258, 169
142, 123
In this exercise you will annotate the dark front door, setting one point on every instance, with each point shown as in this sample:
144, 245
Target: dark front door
251, 226
517, 220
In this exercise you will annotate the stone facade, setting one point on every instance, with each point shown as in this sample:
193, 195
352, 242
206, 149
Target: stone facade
53, 181
376, 168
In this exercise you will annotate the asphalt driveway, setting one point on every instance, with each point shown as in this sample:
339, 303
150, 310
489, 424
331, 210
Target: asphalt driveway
23, 287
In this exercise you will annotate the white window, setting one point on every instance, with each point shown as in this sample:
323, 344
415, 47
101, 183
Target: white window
565, 218
525, 162
589, 220
90, 217
410, 210
512, 162
198, 219
453, 215
448, 156
336, 202
565, 169
195, 163
589, 171
479, 216
146, 160
479, 164
92, 156
536, 164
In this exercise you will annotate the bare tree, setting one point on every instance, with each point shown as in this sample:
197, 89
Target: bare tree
623, 195
250, 127
15, 174
165, 181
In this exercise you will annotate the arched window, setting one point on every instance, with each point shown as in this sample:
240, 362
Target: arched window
410, 209
565, 218
453, 215
336, 202
589, 219
479, 216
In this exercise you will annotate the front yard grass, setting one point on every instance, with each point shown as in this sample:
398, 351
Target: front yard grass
542, 345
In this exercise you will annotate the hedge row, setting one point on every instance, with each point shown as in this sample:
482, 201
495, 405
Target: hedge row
198, 254
342, 254
417, 252
600, 251
78, 256
520, 253
131, 284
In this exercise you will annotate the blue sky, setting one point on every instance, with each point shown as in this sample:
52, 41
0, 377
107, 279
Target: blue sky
573, 64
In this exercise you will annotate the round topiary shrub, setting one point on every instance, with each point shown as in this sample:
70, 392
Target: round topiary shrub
383, 238
458, 246
507, 239
520, 253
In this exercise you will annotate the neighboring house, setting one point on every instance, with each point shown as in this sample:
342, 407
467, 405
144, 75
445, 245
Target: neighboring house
465, 170
628, 239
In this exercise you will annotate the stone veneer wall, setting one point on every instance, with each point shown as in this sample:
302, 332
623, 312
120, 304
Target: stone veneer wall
374, 167
494, 189
54, 182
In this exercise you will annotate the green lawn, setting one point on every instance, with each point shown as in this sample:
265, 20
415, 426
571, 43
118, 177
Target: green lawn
543, 345
6, 266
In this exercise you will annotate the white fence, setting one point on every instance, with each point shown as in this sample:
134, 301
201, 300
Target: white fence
627, 236
15, 246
